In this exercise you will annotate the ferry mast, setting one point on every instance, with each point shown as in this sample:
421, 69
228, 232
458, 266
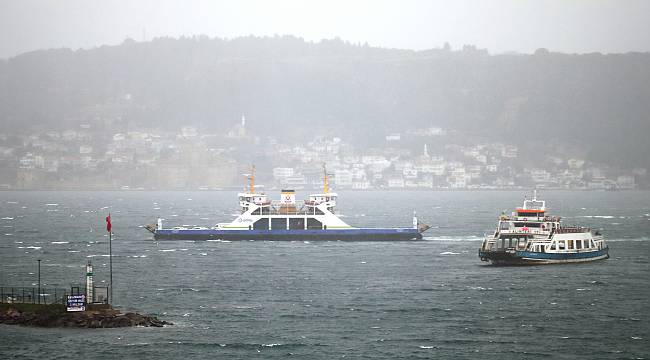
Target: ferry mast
252, 180
326, 187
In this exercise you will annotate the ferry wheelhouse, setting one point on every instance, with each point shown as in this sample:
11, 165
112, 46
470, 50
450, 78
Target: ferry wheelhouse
530, 236
287, 219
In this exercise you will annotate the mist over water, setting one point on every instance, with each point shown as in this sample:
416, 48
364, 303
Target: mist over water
260, 299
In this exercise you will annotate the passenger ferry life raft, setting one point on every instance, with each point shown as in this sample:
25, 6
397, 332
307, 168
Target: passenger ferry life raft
531, 237
287, 219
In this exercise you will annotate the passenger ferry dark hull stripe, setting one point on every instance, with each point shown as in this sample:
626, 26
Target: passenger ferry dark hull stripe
334, 234
531, 258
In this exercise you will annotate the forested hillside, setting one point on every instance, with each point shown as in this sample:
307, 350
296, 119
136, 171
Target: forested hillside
593, 103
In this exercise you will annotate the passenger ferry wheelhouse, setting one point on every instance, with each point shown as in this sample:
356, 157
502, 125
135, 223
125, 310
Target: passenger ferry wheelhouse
530, 236
287, 219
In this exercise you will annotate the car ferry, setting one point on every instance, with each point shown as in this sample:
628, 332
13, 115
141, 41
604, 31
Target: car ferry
530, 237
287, 219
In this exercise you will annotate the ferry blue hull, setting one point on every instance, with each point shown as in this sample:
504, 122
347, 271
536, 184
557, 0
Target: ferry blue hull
537, 258
278, 235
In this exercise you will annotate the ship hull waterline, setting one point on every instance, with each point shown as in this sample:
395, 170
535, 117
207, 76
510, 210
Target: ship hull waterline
510, 258
402, 234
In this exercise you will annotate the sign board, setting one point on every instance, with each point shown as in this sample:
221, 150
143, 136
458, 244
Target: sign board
76, 303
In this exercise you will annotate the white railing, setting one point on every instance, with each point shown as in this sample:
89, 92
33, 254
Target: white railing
533, 231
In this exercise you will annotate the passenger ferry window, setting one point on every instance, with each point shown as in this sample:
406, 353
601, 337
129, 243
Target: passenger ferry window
570, 244
530, 225
527, 214
553, 246
578, 244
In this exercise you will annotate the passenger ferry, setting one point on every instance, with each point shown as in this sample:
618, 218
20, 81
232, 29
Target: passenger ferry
530, 237
287, 219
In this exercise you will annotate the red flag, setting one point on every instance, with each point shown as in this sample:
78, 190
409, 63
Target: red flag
108, 223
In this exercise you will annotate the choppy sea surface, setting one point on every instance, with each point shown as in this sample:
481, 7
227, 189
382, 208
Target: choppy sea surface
322, 300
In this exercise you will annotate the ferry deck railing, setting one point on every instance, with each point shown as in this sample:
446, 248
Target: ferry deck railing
280, 208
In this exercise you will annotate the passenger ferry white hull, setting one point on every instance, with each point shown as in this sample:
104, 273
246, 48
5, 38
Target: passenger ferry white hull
529, 237
536, 258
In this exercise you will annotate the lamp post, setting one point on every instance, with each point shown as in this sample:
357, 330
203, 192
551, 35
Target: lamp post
39, 281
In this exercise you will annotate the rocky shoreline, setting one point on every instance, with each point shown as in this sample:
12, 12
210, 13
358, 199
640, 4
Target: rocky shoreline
56, 316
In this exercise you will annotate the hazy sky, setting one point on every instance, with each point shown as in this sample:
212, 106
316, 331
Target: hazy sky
500, 26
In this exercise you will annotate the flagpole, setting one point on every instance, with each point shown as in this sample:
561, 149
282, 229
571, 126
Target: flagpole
110, 262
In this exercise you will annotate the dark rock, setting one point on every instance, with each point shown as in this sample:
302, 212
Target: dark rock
106, 318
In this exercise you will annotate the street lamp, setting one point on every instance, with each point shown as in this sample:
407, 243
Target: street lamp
39, 281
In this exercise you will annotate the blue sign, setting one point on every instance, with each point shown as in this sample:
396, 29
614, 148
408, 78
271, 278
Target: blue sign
76, 303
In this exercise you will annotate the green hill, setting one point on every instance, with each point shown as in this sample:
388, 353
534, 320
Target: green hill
592, 104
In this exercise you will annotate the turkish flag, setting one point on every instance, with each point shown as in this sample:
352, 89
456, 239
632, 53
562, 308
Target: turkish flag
108, 223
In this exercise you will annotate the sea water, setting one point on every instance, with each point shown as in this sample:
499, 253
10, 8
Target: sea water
322, 300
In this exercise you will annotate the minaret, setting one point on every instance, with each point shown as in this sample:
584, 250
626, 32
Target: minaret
90, 291
242, 128
426, 151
